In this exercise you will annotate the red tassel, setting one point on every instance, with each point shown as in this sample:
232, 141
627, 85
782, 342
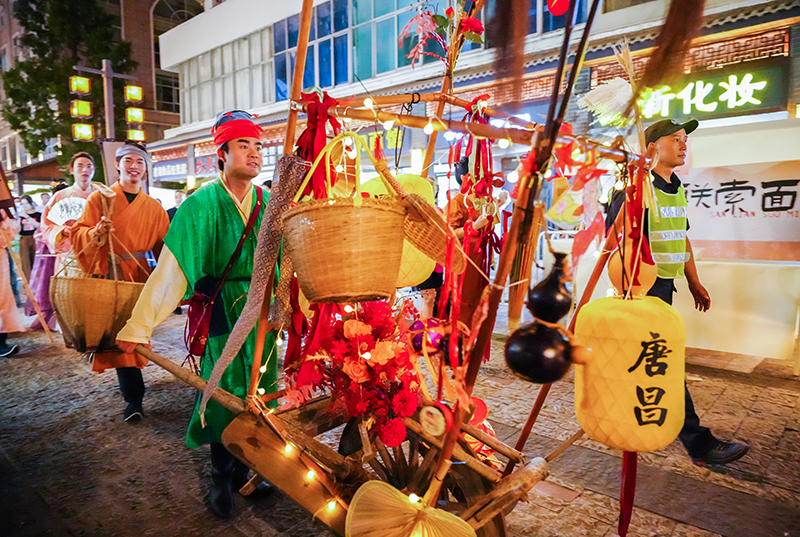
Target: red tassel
378, 150
627, 492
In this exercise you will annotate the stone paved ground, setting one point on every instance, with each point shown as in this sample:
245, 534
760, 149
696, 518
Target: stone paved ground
69, 466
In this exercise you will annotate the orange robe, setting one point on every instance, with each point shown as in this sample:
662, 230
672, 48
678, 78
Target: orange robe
138, 226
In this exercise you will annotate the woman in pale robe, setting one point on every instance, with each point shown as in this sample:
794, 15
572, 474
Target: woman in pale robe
10, 319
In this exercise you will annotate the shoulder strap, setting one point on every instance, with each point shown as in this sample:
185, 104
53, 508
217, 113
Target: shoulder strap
236, 253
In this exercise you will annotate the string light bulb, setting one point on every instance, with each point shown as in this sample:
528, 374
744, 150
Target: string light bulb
503, 143
413, 498
387, 125
349, 309
261, 391
278, 341
263, 369
287, 448
331, 505
369, 103
428, 128
339, 168
367, 355
619, 185
311, 475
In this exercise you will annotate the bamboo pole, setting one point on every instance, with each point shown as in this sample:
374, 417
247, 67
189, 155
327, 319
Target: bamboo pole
518, 136
291, 124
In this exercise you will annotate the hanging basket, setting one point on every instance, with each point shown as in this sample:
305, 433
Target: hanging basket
343, 252
345, 249
91, 311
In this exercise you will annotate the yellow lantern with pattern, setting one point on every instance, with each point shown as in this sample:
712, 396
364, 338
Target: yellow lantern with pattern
629, 395
415, 267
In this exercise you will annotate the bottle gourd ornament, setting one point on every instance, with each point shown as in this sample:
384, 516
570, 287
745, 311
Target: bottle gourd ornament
630, 394
541, 351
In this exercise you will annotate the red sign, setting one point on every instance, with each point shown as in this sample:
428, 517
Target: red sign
557, 7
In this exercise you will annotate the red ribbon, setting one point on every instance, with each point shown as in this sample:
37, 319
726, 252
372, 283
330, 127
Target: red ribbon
314, 139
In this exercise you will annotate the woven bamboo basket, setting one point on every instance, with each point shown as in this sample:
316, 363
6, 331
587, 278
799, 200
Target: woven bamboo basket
91, 311
344, 252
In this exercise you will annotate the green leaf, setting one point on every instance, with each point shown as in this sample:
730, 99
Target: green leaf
474, 37
441, 20
440, 30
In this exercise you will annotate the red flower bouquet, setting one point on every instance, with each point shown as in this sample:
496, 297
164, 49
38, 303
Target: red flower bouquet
363, 361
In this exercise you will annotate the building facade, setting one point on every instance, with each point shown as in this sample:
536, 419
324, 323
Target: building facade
139, 22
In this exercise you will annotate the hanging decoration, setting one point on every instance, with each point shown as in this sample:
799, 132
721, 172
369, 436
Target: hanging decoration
314, 139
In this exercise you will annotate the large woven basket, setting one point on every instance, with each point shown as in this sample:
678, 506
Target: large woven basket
91, 311
346, 252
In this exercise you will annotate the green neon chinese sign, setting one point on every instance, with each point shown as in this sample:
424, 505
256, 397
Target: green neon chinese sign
749, 89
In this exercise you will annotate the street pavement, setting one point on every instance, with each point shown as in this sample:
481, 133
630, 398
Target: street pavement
69, 465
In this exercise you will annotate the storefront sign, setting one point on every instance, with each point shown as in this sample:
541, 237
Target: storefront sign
756, 202
746, 89
168, 169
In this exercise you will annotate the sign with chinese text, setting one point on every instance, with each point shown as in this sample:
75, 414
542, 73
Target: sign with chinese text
171, 169
748, 88
748, 203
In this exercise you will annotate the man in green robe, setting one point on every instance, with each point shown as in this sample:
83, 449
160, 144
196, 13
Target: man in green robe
199, 245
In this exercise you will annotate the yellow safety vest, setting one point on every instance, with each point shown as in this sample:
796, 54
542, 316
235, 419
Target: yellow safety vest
668, 234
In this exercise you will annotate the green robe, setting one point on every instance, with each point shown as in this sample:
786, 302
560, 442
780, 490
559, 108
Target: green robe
203, 236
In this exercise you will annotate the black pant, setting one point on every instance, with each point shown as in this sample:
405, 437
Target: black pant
131, 385
697, 439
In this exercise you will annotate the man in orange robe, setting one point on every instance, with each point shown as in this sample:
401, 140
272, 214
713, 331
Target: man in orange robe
137, 224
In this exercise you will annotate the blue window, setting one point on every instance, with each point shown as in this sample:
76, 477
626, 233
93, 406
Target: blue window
382, 7
362, 51
362, 11
340, 57
409, 42
551, 23
324, 19
294, 29
385, 45
309, 78
325, 64
279, 36
340, 18
281, 80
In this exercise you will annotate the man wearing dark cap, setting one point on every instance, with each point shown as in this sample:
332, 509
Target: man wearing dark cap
672, 252
218, 214
126, 218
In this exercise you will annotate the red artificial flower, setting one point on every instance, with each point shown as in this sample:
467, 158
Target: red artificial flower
356, 369
471, 24
354, 329
392, 433
450, 13
404, 403
309, 374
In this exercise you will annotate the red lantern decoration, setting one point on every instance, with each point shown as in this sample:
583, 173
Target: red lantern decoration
557, 7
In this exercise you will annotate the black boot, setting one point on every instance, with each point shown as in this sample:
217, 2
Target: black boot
222, 470
6, 349
131, 385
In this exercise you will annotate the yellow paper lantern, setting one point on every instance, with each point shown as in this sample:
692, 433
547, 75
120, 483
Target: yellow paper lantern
630, 393
415, 266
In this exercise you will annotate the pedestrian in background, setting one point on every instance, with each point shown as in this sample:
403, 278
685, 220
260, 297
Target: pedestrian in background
29, 220
10, 320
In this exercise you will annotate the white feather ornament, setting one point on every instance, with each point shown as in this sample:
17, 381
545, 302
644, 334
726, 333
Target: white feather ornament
609, 103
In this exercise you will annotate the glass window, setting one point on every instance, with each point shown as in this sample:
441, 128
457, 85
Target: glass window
257, 80
243, 89
266, 41
255, 48
216, 63
533, 18
362, 11
407, 3
293, 23
433, 47
228, 93
279, 34
309, 78
219, 104
242, 54
408, 42
385, 45
340, 60
324, 19
167, 93
613, 5
362, 51
268, 83
227, 58
281, 81
340, 19
382, 7
324, 61
551, 23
